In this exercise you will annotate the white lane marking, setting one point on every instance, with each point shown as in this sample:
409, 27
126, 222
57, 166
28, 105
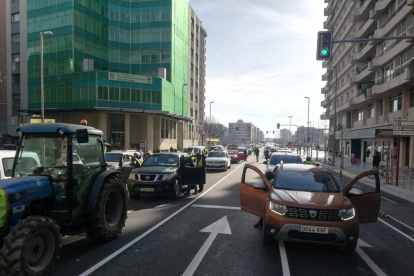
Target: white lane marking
389, 200
283, 257
361, 243
137, 239
129, 212
402, 223
216, 207
392, 227
370, 262
219, 227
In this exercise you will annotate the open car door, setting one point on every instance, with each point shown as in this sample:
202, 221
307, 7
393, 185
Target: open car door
193, 175
253, 193
367, 204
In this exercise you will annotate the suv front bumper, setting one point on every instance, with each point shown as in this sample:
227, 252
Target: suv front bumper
155, 188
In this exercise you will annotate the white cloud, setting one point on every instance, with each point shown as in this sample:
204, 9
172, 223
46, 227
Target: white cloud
261, 60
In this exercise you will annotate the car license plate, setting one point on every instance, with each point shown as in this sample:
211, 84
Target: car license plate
146, 189
313, 229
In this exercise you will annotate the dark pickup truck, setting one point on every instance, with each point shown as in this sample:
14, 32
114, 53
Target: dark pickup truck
161, 174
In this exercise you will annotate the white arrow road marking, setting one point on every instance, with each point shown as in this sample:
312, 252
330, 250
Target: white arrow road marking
367, 259
219, 227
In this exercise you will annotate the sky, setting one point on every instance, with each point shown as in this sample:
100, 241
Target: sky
261, 60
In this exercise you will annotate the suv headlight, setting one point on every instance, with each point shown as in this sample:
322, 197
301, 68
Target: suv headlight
347, 214
168, 176
132, 176
278, 209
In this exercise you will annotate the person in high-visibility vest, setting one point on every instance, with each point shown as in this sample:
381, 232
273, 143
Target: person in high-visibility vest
205, 153
137, 160
3, 208
309, 161
200, 162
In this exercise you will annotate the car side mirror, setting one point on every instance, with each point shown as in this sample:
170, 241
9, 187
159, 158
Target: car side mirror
265, 162
356, 192
260, 186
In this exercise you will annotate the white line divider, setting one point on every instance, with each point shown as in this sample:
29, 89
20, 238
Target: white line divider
399, 231
388, 200
146, 233
216, 207
283, 257
219, 227
377, 270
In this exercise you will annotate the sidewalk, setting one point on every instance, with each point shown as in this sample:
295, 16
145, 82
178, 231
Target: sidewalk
352, 170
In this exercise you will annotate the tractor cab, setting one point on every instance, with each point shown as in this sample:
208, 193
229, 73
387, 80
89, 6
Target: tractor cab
70, 157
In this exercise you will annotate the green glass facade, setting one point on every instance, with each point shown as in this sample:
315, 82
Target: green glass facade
122, 36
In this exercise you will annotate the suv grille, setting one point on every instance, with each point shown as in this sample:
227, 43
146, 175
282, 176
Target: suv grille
148, 177
313, 214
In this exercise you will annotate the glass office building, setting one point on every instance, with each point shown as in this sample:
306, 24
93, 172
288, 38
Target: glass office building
103, 62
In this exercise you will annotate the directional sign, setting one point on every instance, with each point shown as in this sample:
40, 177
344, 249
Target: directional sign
403, 132
403, 123
219, 227
403, 128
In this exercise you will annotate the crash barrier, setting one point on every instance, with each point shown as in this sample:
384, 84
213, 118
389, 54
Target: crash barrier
411, 177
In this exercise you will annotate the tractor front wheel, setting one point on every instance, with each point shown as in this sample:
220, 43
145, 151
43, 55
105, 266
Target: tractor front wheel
108, 219
31, 248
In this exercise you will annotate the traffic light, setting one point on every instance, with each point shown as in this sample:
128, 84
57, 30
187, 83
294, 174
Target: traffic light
324, 49
278, 126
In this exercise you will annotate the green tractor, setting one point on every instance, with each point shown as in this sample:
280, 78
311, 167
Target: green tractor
60, 186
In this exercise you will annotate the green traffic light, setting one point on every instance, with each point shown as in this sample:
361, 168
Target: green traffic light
324, 52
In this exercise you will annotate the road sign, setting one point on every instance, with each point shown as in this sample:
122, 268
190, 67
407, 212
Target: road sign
403, 132
403, 128
403, 123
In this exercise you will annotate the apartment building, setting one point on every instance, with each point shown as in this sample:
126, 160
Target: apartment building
373, 81
241, 132
196, 73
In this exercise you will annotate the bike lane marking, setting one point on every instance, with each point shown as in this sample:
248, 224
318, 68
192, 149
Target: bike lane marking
131, 243
283, 257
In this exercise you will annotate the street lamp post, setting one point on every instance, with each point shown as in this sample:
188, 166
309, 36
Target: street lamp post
182, 110
334, 130
42, 86
307, 143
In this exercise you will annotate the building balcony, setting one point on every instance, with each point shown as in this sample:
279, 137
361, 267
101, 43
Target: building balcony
324, 103
367, 28
380, 7
325, 89
358, 101
395, 18
344, 52
324, 116
327, 23
344, 107
367, 50
363, 11
325, 64
393, 49
402, 78
325, 76
358, 124
363, 75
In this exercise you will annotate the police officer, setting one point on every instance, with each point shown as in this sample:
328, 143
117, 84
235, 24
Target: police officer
200, 162
205, 153
137, 160
309, 161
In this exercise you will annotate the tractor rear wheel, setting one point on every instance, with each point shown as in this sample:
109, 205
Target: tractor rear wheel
108, 219
31, 248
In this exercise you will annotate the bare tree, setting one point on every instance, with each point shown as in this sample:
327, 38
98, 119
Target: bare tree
214, 129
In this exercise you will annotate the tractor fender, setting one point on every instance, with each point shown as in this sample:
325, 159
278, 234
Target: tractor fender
97, 187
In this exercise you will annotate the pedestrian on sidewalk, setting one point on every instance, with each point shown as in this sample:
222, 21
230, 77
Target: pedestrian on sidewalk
376, 161
353, 158
245, 155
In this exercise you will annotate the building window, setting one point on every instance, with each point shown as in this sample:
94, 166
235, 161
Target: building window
15, 17
191, 96
192, 82
196, 114
191, 112
15, 38
16, 102
16, 78
196, 71
192, 67
196, 100
412, 98
389, 72
192, 52
163, 129
196, 42
381, 107
16, 58
196, 85
396, 103
360, 115
371, 111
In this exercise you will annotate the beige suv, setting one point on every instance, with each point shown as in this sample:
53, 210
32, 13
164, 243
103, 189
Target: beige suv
304, 203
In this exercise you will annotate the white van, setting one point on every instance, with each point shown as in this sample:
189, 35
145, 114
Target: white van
7, 160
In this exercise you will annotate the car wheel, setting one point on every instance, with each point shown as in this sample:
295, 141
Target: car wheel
266, 239
177, 190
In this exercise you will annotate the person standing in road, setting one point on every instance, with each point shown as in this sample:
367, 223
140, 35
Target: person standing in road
200, 162
245, 155
205, 153
309, 161
137, 160
256, 152
376, 161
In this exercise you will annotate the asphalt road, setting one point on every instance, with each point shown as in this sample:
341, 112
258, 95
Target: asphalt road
162, 237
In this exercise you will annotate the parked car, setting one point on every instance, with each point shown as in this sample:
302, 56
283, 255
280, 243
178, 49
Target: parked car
277, 157
216, 148
242, 156
120, 161
234, 156
218, 160
305, 204
232, 147
161, 174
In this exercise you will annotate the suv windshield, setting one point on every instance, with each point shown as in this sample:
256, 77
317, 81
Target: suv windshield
112, 157
161, 160
216, 154
305, 181
287, 159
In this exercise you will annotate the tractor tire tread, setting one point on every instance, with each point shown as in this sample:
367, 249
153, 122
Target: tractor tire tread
95, 228
11, 261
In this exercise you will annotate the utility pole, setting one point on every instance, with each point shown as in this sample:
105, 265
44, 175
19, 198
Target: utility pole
334, 130
307, 138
